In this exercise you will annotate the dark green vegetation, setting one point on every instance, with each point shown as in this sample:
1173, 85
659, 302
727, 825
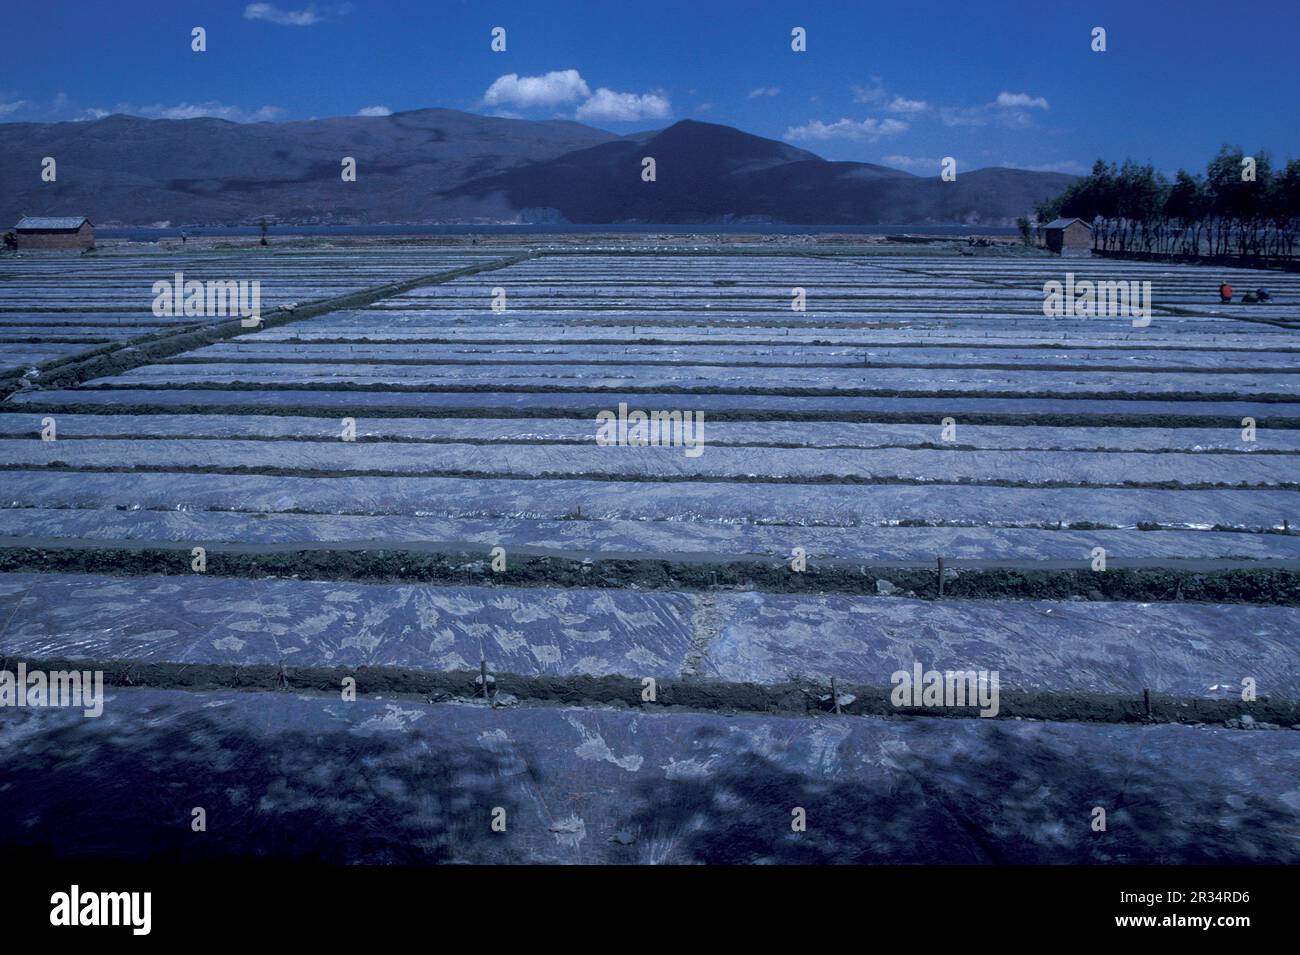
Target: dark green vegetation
794, 698
1249, 584
541, 409
1136, 208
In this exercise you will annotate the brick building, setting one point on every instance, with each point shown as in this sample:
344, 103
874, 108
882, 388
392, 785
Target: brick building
54, 232
1060, 234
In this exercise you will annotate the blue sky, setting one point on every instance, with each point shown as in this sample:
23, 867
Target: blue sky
989, 82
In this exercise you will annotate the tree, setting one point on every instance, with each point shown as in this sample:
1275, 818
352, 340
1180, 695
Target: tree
1284, 204
1026, 231
1187, 204
1134, 207
1093, 199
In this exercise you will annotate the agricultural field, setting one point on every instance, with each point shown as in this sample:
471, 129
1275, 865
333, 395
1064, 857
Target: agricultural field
397, 478
61, 307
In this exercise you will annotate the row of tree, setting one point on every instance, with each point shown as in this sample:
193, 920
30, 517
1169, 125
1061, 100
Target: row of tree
1241, 206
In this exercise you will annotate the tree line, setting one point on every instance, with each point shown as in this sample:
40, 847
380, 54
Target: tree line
1240, 206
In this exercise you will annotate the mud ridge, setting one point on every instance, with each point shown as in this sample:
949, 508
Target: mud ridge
344, 387
1119, 345
133, 353
784, 415
1246, 585
795, 698
297, 358
876, 480
324, 438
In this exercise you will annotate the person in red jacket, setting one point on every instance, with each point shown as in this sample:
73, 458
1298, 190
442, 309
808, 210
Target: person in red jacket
1225, 292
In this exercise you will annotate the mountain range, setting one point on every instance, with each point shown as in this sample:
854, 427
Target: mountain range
442, 165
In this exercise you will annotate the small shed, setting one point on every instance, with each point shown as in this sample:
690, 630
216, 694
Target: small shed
1062, 234
54, 232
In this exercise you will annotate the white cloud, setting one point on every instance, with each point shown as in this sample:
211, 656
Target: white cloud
921, 164
13, 107
928, 166
964, 116
1020, 101
1013, 119
608, 106
1071, 166
63, 108
236, 114
901, 104
1009, 110
556, 87
374, 111
568, 86
874, 93
867, 130
306, 17
765, 91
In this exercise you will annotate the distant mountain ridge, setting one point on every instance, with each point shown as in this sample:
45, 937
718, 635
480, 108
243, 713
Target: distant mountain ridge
435, 165
139, 171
